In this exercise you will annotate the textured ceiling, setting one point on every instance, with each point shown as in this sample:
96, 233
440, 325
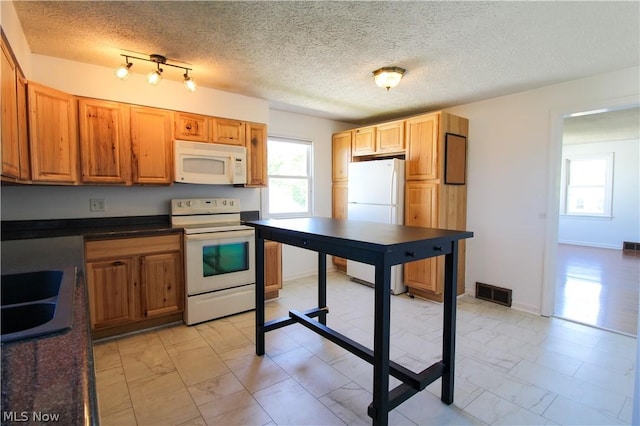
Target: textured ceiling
317, 56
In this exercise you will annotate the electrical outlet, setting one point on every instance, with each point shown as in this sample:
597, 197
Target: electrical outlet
97, 205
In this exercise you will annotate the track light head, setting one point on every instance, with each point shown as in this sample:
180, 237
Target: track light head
123, 72
189, 82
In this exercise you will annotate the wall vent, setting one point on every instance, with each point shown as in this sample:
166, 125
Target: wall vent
494, 294
631, 248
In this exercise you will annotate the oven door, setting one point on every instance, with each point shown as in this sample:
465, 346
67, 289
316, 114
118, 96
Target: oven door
219, 260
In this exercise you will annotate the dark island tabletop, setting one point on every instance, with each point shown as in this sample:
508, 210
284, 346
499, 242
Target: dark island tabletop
342, 236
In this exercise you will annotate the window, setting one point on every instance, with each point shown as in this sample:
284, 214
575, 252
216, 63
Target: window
289, 172
588, 183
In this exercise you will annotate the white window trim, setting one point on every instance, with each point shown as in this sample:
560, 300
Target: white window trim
264, 194
608, 201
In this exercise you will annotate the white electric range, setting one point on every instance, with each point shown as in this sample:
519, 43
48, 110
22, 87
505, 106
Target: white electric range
219, 258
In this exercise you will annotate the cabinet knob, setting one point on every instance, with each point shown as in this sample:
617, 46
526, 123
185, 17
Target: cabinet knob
188, 126
117, 263
437, 248
410, 253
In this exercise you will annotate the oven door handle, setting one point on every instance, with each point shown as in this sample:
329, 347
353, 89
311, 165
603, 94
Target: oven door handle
220, 235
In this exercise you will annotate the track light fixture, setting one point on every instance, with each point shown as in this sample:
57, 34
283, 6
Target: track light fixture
155, 76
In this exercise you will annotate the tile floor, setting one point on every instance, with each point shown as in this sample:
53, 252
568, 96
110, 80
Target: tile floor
512, 368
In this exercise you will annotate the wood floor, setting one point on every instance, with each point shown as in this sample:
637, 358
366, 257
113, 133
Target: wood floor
598, 287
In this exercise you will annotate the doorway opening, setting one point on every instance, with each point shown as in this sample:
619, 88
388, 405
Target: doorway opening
596, 283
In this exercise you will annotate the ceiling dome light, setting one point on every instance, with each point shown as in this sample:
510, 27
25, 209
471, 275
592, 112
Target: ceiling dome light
123, 72
388, 76
189, 82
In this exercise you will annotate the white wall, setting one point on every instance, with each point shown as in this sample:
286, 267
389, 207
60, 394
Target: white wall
299, 262
624, 225
512, 175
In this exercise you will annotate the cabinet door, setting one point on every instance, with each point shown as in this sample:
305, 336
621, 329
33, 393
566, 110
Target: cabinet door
390, 137
105, 151
151, 146
421, 200
112, 292
162, 284
422, 147
272, 269
10, 146
230, 132
364, 141
191, 127
339, 191
341, 156
256, 134
53, 135
23, 135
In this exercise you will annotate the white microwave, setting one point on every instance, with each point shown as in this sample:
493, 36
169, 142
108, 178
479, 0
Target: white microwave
209, 163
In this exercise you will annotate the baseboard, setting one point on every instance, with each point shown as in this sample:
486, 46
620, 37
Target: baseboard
583, 244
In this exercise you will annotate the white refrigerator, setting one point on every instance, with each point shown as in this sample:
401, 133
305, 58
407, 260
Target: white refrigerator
376, 194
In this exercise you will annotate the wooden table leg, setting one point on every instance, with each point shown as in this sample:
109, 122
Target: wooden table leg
259, 252
380, 407
449, 325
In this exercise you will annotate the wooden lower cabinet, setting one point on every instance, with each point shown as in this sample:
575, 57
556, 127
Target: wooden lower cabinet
162, 287
112, 292
421, 199
134, 283
272, 269
339, 195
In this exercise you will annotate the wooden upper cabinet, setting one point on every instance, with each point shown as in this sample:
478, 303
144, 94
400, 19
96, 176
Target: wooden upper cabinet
341, 156
390, 137
151, 145
364, 141
10, 149
105, 150
230, 132
23, 133
53, 135
191, 127
256, 134
422, 147
15, 145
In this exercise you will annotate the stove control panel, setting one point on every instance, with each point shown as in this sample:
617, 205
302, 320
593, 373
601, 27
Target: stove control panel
192, 206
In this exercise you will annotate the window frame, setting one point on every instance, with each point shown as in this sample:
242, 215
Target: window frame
608, 184
308, 177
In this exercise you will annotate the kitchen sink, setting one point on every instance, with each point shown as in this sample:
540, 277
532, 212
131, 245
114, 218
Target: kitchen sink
37, 303
30, 286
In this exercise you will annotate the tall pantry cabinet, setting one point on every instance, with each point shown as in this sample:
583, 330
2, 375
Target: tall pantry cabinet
435, 193
434, 148
341, 155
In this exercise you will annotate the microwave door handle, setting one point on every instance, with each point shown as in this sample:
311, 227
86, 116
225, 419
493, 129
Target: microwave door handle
231, 166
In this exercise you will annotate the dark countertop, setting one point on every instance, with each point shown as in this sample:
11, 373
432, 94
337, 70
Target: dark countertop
90, 228
53, 374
